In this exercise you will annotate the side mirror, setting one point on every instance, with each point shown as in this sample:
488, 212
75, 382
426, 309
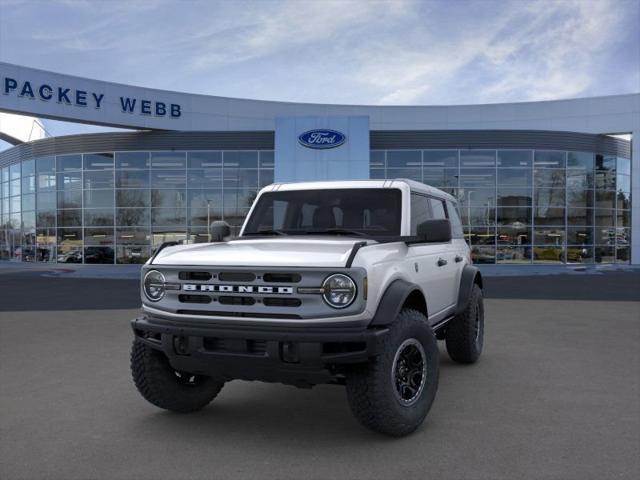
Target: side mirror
219, 230
434, 231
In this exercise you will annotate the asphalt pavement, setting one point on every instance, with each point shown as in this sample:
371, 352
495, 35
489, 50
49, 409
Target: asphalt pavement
555, 395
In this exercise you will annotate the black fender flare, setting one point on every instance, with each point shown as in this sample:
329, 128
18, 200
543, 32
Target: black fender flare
392, 301
470, 275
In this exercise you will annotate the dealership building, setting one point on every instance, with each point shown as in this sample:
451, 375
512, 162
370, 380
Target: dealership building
538, 182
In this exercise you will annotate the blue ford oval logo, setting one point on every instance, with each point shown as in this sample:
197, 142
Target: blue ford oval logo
322, 138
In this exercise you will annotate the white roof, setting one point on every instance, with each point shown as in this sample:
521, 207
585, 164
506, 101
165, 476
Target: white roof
336, 184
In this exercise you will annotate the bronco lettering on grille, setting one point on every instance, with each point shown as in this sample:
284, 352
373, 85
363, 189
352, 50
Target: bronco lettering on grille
191, 287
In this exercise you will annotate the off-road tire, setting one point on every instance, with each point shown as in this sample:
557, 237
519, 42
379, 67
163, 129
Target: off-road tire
162, 386
371, 389
464, 343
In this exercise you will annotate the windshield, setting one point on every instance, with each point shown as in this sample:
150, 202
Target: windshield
367, 212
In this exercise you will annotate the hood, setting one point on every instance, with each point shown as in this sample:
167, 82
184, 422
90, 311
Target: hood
264, 252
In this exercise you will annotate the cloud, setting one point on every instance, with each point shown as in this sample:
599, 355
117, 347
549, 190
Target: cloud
337, 51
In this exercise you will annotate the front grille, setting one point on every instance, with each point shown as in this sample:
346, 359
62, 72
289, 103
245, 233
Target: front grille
236, 277
282, 302
281, 277
236, 300
195, 276
213, 313
194, 298
241, 346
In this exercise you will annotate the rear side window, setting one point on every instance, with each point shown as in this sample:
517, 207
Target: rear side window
454, 218
437, 209
420, 211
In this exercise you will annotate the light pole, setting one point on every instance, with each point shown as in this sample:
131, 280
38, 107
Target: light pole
209, 220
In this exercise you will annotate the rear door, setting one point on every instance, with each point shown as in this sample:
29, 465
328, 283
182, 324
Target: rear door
424, 262
448, 267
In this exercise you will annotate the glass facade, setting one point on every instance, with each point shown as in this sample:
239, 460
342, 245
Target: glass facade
528, 206
517, 206
116, 207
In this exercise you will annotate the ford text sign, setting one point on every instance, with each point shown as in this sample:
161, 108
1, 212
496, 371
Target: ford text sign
322, 138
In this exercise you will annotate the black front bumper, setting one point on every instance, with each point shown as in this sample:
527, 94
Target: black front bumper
299, 356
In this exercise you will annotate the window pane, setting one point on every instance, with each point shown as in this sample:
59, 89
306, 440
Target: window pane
29, 202
133, 236
70, 199
548, 197
605, 235
45, 165
98, 236
579, 178
237, 177
579, 254
514, 196
623, 166
514, 215
514, 176
548, 254
241, 159
46, 219
98, 179
441, 177
605, 217
481, 235
440, 159
549, 159
98, 217
477, 197
515, 158
136, 254
98, 199
132, 217
623, 218
70, 180
605, 199
132, 160
483, 254
266, 177
205, 178
28, 167
548, 216
577, 197
168, 159
69, 162
168, 217
132, 179
168, 179
549, 178
623, 183
28, 184
98, 254
605, 163
583, 160
410, 173
420, 211
549, 236
98, 161
70, 218
46, 201
267, 159
239, 199
478, 215
204, 159
132, 198
477, 158
623, 255
377, 174
14, 187
605, 254
46, 181
477, 177
580, 236
404, 158
514, 234
168, 198
579, 216
513, 254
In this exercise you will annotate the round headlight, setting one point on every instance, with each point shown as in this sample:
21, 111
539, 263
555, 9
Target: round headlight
154, 285
339, 290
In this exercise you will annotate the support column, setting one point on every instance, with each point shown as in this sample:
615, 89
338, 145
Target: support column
635, 197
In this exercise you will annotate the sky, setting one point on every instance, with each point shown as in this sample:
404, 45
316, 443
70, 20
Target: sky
394, 52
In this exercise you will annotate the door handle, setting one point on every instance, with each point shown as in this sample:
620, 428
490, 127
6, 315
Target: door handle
458, 259
442, 262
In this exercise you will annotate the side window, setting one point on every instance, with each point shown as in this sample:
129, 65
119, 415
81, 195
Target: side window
420, 211
456, 224
437, 207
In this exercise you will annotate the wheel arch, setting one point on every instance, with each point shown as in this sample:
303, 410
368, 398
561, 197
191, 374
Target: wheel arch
470, 276
398, 295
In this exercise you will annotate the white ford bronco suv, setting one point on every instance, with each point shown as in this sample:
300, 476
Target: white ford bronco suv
343, 282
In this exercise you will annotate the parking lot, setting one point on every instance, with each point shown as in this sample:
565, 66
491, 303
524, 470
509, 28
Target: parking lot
555, 395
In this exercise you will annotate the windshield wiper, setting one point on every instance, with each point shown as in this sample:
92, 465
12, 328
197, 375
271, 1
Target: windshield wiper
337, 231
265, 232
